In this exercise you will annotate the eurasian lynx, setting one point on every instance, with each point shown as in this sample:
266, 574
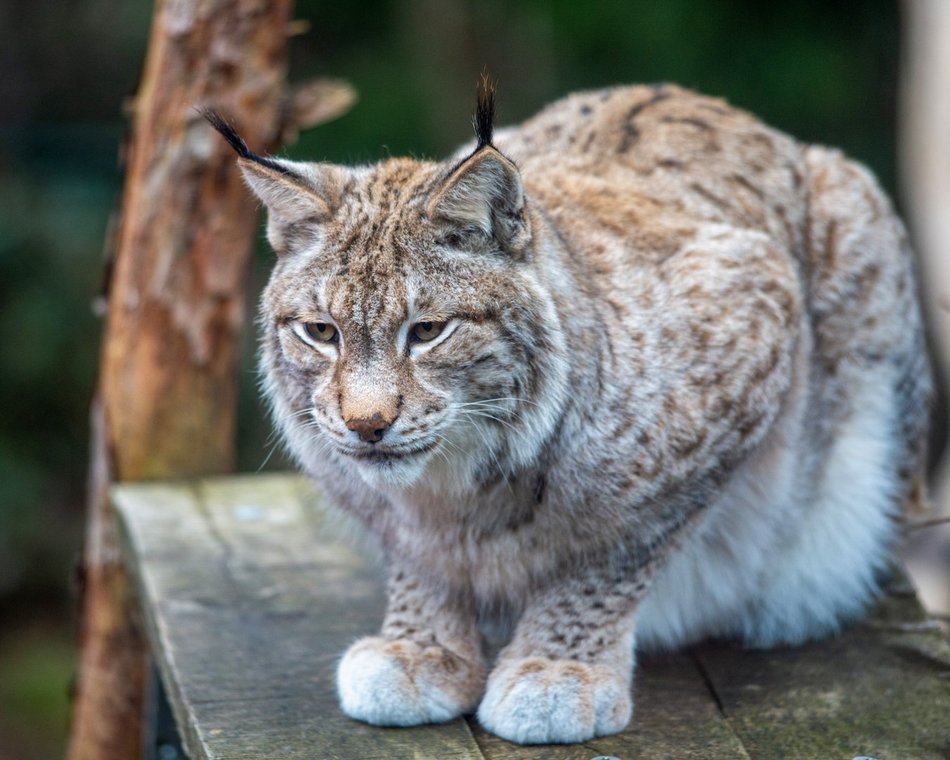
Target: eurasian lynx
641, 367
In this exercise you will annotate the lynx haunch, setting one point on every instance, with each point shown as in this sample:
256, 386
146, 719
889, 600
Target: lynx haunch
639, 371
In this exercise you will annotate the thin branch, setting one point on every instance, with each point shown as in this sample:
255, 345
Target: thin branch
312, 103
932, 523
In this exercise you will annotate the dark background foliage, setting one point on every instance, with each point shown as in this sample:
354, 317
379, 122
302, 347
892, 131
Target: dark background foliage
825, 72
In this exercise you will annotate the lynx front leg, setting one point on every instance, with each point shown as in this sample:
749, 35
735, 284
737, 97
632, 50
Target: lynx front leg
426, 666
567, 675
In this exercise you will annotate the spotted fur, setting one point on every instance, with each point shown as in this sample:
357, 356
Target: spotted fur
680, 390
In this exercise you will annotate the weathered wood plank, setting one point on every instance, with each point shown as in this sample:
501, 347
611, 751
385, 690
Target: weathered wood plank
880, 689
249, 597
251, 591
299, 729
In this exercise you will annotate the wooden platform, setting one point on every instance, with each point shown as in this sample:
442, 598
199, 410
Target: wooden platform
249, 595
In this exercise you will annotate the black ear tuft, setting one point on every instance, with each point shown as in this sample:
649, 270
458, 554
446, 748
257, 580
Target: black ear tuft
228, 132
484, 112
237, 142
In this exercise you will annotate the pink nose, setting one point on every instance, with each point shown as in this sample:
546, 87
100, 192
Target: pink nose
370, 429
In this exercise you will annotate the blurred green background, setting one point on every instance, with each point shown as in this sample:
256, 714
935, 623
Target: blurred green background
825, 72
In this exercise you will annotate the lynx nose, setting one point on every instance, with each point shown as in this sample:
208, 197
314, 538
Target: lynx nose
370, 429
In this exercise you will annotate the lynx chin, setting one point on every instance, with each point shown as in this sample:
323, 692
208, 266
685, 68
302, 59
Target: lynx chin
639, 371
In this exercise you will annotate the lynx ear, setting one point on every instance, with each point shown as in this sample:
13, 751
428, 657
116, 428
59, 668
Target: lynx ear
485, 192
294, 193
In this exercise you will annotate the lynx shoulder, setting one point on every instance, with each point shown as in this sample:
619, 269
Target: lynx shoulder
641, 368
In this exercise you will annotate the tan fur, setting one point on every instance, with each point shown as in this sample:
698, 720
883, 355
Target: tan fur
652, 302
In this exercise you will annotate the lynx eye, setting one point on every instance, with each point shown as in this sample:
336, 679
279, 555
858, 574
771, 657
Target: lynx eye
423, 332
320, 331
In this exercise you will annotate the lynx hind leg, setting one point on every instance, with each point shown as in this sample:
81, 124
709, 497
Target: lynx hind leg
867, 304
426, 665
567, 675
914, 397
872, 401
828, 571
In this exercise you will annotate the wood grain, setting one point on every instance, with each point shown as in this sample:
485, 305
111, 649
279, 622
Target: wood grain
251, 589
250, 595
881, 689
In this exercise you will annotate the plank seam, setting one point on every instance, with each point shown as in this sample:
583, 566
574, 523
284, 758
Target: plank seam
720, 706
467, 720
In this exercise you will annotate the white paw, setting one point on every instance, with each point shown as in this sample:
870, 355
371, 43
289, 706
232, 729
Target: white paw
542, 701
400, 683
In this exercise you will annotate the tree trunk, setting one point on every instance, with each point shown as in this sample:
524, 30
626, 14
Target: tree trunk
166, 399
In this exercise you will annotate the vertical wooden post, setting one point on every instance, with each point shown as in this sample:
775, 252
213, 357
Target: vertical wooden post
166, 399
925, 174
925, 154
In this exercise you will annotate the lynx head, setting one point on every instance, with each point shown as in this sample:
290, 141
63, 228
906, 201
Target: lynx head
406, 329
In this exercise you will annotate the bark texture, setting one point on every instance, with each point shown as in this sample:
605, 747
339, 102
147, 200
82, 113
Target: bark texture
166, 399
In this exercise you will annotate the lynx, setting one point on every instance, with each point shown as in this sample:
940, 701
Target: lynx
639, 371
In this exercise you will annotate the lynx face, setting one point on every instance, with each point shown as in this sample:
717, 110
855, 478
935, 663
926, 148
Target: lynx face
405, 340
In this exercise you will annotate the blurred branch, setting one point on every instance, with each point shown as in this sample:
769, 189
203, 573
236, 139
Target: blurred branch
297, 27
312, 103
920, 524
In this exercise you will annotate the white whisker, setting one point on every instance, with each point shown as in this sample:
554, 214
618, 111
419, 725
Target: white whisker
486, 415
493, 400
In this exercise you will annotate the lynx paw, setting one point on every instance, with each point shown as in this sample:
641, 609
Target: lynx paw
541, 701
401, 683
